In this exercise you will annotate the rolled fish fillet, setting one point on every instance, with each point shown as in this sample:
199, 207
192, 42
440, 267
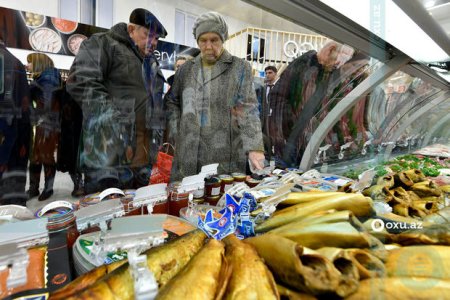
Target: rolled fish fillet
86, 280
419, 261
287, 293
357, 203
440, 217
309, 273
250, 278
164, 261
426, 189
437, 234
302, 197
368, 265
415, 175
403, 179
386, 181
204, 277
349, 279
394, 288
364, 263
324, 217
340, 235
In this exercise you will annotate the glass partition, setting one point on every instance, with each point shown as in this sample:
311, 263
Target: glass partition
362, 136
314, 73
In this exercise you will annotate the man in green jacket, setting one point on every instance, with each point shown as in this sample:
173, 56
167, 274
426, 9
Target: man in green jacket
116, 79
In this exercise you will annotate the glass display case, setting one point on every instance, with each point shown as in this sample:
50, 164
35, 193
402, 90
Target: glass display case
382, 98
392, 101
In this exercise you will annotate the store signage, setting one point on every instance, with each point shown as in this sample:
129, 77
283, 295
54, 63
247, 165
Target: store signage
35, 32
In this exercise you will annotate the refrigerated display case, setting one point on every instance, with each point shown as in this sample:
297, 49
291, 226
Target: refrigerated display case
400, 105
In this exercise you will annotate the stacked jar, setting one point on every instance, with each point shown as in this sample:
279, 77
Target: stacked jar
176, 200
226, 183
212, 189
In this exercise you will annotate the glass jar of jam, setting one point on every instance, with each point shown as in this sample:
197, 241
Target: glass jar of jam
238, 177
61, 217
161, 207
212, 186
198, 201
212, 200
176, 200
252, 182
226, 182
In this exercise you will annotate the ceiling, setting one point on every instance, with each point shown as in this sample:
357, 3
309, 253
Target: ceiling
250, 14
440, 11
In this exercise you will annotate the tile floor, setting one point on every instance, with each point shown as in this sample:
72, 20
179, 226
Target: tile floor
62, 188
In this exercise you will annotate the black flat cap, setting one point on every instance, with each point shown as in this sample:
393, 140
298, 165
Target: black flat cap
143, 17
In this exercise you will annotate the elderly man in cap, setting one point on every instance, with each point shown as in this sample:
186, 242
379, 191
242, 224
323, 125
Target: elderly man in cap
212, 110
117, 81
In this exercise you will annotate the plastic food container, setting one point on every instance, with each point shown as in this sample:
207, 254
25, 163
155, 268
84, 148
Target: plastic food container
192, 214
336, 179
315, 184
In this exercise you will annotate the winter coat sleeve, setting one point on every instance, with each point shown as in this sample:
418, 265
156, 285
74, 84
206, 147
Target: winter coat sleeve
172, 102
88, 72
246, 111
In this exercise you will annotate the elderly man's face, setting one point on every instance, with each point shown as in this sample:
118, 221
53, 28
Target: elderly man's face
145, 40
335, 57
211, 46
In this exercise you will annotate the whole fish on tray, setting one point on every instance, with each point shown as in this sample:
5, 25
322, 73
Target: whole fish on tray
164, 261
204, 277
310, 273
250, 277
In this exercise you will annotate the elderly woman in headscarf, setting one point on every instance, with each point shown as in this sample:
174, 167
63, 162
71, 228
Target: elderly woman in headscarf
212, 110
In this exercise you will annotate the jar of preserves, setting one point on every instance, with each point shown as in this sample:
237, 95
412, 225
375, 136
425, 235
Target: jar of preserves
176, 200
212, 186
226, 182
60, 215
212, 200
238, 177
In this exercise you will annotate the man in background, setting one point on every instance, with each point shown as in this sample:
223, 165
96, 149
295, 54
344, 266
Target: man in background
117, 81
298, 96
15, 128
179, 61
263, 93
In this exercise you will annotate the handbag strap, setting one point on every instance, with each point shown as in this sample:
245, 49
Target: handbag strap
166, 147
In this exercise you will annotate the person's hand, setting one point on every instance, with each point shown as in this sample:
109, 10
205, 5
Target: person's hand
256, 159
129, 153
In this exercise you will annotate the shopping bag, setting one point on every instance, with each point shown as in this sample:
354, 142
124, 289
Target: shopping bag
163, 166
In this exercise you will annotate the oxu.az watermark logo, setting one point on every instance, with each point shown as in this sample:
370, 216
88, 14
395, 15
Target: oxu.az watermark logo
379, 225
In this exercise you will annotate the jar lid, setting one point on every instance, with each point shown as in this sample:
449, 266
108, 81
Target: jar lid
238, 175
59, 214
226, 178
212, 179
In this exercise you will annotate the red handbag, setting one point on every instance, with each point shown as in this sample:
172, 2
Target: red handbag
163, 166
